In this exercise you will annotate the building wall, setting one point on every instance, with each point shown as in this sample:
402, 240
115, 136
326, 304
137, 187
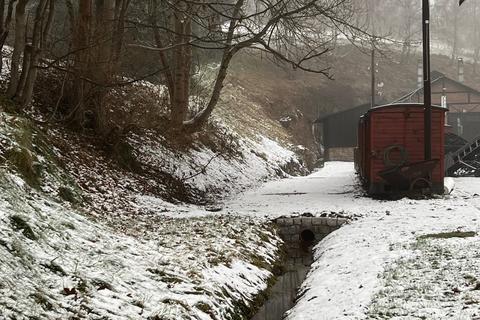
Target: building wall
455, 92
463, 105
340, 129
465, 124
339, 154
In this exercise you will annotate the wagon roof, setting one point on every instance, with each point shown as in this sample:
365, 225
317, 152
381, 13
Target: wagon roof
396, 105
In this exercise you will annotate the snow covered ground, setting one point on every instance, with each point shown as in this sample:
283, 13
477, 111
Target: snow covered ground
60, 261
323, 191
57, 263
398, 259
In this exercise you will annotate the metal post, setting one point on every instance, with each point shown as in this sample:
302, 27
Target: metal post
373, 69
427, 85
461, 70
420, 74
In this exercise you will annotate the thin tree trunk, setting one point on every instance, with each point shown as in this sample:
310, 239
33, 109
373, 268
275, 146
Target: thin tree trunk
82, 58
118, 37
42, 27
103, 71
27, 58
5, 23
182, 61
30, 52
18, 47
2, 31
201, 118
162, 55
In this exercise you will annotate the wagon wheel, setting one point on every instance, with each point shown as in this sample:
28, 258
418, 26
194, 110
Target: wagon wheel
420, 183
387, 153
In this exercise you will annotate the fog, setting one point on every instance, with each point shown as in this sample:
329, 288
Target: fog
455, 30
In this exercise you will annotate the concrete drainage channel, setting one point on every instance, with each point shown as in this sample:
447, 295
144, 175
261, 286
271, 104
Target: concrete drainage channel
300, 235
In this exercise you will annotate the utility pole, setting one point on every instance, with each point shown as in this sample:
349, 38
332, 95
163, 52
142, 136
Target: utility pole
373, 69
427, 84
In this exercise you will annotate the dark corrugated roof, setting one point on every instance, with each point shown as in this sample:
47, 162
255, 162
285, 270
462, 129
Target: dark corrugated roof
437, 76
322, 118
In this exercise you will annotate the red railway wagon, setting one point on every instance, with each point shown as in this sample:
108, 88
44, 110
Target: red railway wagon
390, 153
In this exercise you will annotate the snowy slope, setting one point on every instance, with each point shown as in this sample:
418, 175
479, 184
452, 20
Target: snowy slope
59, 262
243, 163
56, 263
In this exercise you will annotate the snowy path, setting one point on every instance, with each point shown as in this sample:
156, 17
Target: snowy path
324, 190
350, 264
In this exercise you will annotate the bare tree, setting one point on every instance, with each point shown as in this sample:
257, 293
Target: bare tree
409, 30
35, 50
447, 25
97, 44
5, 24
297, 32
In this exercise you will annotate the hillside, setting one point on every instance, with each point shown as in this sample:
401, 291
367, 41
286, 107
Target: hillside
83, 237
123, 227
300, 97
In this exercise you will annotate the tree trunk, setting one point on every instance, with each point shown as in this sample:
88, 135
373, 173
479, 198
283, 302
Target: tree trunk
119, 32
164, 63
230, 50
5, 26
182, 61
201, 118
102, 74
18, 47
81, 45
2, 31
42, 26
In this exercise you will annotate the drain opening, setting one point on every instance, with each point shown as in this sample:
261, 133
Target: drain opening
307, 236
299, 239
